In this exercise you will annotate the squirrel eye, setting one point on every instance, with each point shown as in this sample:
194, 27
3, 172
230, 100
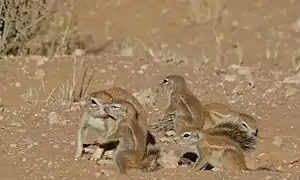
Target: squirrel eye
186, 135
165, 81
94, 103
245, 125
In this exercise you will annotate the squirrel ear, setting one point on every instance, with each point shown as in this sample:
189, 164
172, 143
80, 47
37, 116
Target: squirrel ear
199, 134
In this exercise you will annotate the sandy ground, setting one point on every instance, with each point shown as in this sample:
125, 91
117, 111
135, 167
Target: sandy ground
247, 60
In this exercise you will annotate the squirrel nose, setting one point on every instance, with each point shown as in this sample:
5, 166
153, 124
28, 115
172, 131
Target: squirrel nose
256, 132
106, 109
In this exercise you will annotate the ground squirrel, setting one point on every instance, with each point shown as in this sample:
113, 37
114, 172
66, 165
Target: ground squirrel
221, 112
234, 130
132, 151
218, 151
91, 116
183, 105
237, 126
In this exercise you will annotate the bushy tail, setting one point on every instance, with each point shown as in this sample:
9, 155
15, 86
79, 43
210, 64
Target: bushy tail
153, 151
234, 131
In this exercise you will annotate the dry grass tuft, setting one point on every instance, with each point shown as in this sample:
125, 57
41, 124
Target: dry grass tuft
64, 94
203, 11
41, 27
67, 93
19, 22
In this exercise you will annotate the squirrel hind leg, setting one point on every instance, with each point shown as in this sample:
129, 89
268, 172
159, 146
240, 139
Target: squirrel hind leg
121, 162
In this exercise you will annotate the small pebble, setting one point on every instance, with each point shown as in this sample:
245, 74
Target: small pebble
164, 139
144, 66
78, 52
55, 146
98, 174
13, 145
278, 141
140, 72
170, 133
230, 78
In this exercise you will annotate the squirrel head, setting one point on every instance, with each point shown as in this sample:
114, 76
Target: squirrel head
121, 110
95, 104
190, 138
249, 123
173, 83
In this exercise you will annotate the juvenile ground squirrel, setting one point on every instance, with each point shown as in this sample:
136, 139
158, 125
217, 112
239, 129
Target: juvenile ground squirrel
91, 117
183, 105
234, 130
132, 151
218, 151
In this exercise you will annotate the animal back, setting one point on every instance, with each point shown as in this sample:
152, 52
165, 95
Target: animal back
194, 108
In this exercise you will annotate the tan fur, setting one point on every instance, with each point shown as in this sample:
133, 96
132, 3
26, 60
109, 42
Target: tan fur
184, 104
132, 151
218, 151
92, 118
